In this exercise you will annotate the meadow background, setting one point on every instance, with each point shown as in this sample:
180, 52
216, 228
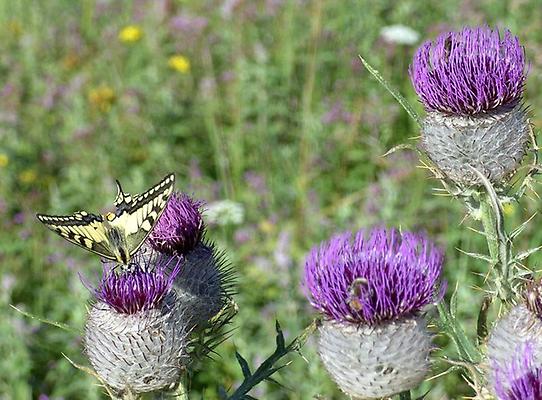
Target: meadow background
263, 103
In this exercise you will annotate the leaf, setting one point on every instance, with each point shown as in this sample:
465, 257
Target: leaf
280, 337
524, 254
449, 325
516, 232
478, 256
244, 365
398, 96
47, 321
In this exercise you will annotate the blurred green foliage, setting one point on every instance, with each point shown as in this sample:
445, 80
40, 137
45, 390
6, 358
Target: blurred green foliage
261, 102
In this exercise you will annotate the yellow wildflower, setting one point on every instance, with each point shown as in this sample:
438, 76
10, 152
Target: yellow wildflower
102, 97
130, 34
28, 176
179, 63
4, 160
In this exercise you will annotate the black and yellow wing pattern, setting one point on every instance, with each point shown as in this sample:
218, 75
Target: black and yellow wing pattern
115, 236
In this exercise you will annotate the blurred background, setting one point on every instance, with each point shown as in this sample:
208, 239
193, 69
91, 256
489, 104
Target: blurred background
261, 104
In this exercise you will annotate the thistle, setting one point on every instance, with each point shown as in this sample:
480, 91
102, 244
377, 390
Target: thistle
520, 378
180, 227
522, 324
471, 85
372, 289
135, 334
203, 285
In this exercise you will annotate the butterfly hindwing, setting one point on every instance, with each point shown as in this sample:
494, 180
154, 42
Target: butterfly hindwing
81, 228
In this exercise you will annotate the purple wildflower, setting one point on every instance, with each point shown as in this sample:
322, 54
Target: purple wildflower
137, 290
520, 379
469, 72
180, 227
381, 276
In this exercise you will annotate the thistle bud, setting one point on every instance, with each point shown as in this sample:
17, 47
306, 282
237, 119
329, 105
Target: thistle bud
203, 284
372, 289
135, 334
471, 84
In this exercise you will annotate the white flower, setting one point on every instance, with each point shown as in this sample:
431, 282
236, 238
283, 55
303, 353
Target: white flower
225, 212
399, 34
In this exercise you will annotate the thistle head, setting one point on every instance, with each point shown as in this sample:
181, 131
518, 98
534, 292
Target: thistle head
522, 325
476, 70
520, 378
138, 289
121, 339
375, 276
180, 227
372, 287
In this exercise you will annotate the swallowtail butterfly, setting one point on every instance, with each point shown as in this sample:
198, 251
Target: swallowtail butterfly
115, 236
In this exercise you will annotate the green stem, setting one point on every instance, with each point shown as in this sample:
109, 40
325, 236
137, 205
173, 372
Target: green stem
497, 243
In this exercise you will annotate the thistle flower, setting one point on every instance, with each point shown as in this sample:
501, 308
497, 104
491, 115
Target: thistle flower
520, 379
135, 334
180, 227
471, 83
372, 289
522, 324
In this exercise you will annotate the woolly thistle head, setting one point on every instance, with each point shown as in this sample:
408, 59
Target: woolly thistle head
180, 227
136, 336
204, 284
375, 276
473, 71
521, 325
521, 378
471, 83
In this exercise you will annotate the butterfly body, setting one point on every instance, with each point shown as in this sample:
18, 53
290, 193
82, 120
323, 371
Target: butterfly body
115, 236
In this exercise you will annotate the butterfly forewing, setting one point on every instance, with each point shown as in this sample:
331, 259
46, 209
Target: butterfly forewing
138, 215
81, 228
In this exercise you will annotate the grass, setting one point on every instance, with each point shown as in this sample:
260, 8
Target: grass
276, 113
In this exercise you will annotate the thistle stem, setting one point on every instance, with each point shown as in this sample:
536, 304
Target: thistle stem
492, 222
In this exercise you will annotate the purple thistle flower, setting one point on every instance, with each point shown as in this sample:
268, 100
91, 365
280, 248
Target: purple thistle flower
180, 227
382, 276
140, 289
520, 379
469, 72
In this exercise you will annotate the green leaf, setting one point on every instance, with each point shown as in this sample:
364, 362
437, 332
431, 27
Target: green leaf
398, 96
244, 365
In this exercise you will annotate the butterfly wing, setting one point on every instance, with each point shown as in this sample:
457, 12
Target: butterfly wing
136, 215
81, 228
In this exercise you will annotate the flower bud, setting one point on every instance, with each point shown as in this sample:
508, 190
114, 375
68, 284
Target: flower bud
204, 282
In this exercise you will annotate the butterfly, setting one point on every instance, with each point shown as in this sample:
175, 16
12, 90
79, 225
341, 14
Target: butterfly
115, 236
